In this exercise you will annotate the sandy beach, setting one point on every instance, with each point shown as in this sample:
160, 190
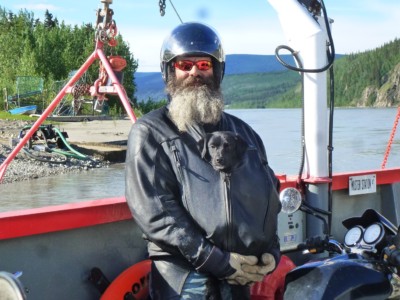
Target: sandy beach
97, 131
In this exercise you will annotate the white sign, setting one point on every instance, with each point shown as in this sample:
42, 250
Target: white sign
364, 184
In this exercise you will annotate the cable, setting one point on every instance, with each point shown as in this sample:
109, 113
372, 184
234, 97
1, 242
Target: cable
43, 158
330, 142
170, 1
330, 54
303, 142
162, 6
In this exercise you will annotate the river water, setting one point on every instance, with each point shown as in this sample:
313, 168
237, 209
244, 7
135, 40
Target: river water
360, 138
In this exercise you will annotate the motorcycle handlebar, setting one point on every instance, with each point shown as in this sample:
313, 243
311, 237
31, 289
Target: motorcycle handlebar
315, 244
318, 245
301, 246
392, 256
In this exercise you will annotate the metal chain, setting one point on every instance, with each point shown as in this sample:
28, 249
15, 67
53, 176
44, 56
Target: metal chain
162, 5
392, 134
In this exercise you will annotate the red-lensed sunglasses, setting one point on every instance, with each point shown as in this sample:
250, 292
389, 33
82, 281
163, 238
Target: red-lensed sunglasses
187, 65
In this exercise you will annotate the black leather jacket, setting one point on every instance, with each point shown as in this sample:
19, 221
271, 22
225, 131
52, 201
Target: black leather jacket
191, 214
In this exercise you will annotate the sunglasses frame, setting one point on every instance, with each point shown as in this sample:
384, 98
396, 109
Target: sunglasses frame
192, 64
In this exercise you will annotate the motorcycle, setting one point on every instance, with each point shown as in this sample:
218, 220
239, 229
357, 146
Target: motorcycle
11, 287
365, 266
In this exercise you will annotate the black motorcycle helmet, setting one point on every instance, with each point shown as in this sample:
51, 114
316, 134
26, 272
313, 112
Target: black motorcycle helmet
193, 39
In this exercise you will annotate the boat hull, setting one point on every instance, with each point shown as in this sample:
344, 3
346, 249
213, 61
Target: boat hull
56, 247
24, 110
56, 258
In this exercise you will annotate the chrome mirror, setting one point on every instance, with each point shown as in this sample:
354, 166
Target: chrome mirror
10, 287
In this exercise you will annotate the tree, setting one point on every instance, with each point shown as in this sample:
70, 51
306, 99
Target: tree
29, 47
48, 20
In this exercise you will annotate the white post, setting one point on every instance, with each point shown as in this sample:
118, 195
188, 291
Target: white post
307, 36
315, 106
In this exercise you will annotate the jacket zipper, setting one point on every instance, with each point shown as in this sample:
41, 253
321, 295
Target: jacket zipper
175, 151
228, 208
264, 165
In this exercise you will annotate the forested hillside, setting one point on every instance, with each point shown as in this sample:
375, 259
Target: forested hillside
150, 84
50, 50
367, 79
251, 90
370, 78
258, 90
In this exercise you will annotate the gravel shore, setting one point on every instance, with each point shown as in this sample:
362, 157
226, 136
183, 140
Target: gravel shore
23, 167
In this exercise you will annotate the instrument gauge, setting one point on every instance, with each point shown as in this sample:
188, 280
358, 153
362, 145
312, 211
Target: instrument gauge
373, 233
353, 236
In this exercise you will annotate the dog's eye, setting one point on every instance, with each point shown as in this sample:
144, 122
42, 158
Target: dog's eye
227, 145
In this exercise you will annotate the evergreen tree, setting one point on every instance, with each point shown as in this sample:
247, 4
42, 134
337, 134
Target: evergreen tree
29, 47
48, 20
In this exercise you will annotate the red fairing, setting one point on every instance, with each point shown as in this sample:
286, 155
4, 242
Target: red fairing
273, 285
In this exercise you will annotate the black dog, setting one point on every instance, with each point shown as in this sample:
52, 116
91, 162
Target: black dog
223, 149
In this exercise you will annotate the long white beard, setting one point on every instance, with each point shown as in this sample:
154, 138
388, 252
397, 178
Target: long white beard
192, 103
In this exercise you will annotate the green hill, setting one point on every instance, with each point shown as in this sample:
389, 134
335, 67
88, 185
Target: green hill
50, 50
150, 84
366, 79
258, 90
369, 78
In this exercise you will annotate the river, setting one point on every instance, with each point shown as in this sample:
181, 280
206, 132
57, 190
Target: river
360, 138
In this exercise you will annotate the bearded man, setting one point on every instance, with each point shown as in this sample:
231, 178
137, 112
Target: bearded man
210, 234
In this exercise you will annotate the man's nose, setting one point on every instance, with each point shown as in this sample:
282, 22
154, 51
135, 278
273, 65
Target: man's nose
194, 71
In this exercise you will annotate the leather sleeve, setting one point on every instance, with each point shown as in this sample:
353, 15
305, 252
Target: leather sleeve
153, 193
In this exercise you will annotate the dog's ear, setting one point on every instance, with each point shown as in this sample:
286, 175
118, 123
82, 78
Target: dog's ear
241, 146
202, 144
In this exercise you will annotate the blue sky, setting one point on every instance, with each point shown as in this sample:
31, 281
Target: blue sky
246, 27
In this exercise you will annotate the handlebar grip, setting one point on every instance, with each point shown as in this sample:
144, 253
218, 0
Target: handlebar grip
302, 246
315, 244
392, 256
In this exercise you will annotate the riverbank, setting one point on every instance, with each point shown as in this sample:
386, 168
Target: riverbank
93, 138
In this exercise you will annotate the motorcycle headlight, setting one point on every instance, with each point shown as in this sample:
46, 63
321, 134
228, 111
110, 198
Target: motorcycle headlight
290, 199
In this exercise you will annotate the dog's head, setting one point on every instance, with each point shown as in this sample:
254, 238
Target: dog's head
223, 149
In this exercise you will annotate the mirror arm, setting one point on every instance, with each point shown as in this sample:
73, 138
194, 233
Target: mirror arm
318, 210
314, 212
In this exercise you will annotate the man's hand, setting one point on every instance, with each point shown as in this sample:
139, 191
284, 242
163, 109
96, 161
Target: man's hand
266, 266
242, 277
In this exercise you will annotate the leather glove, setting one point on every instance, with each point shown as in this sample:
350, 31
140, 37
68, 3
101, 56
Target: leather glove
241, 277
267, 264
